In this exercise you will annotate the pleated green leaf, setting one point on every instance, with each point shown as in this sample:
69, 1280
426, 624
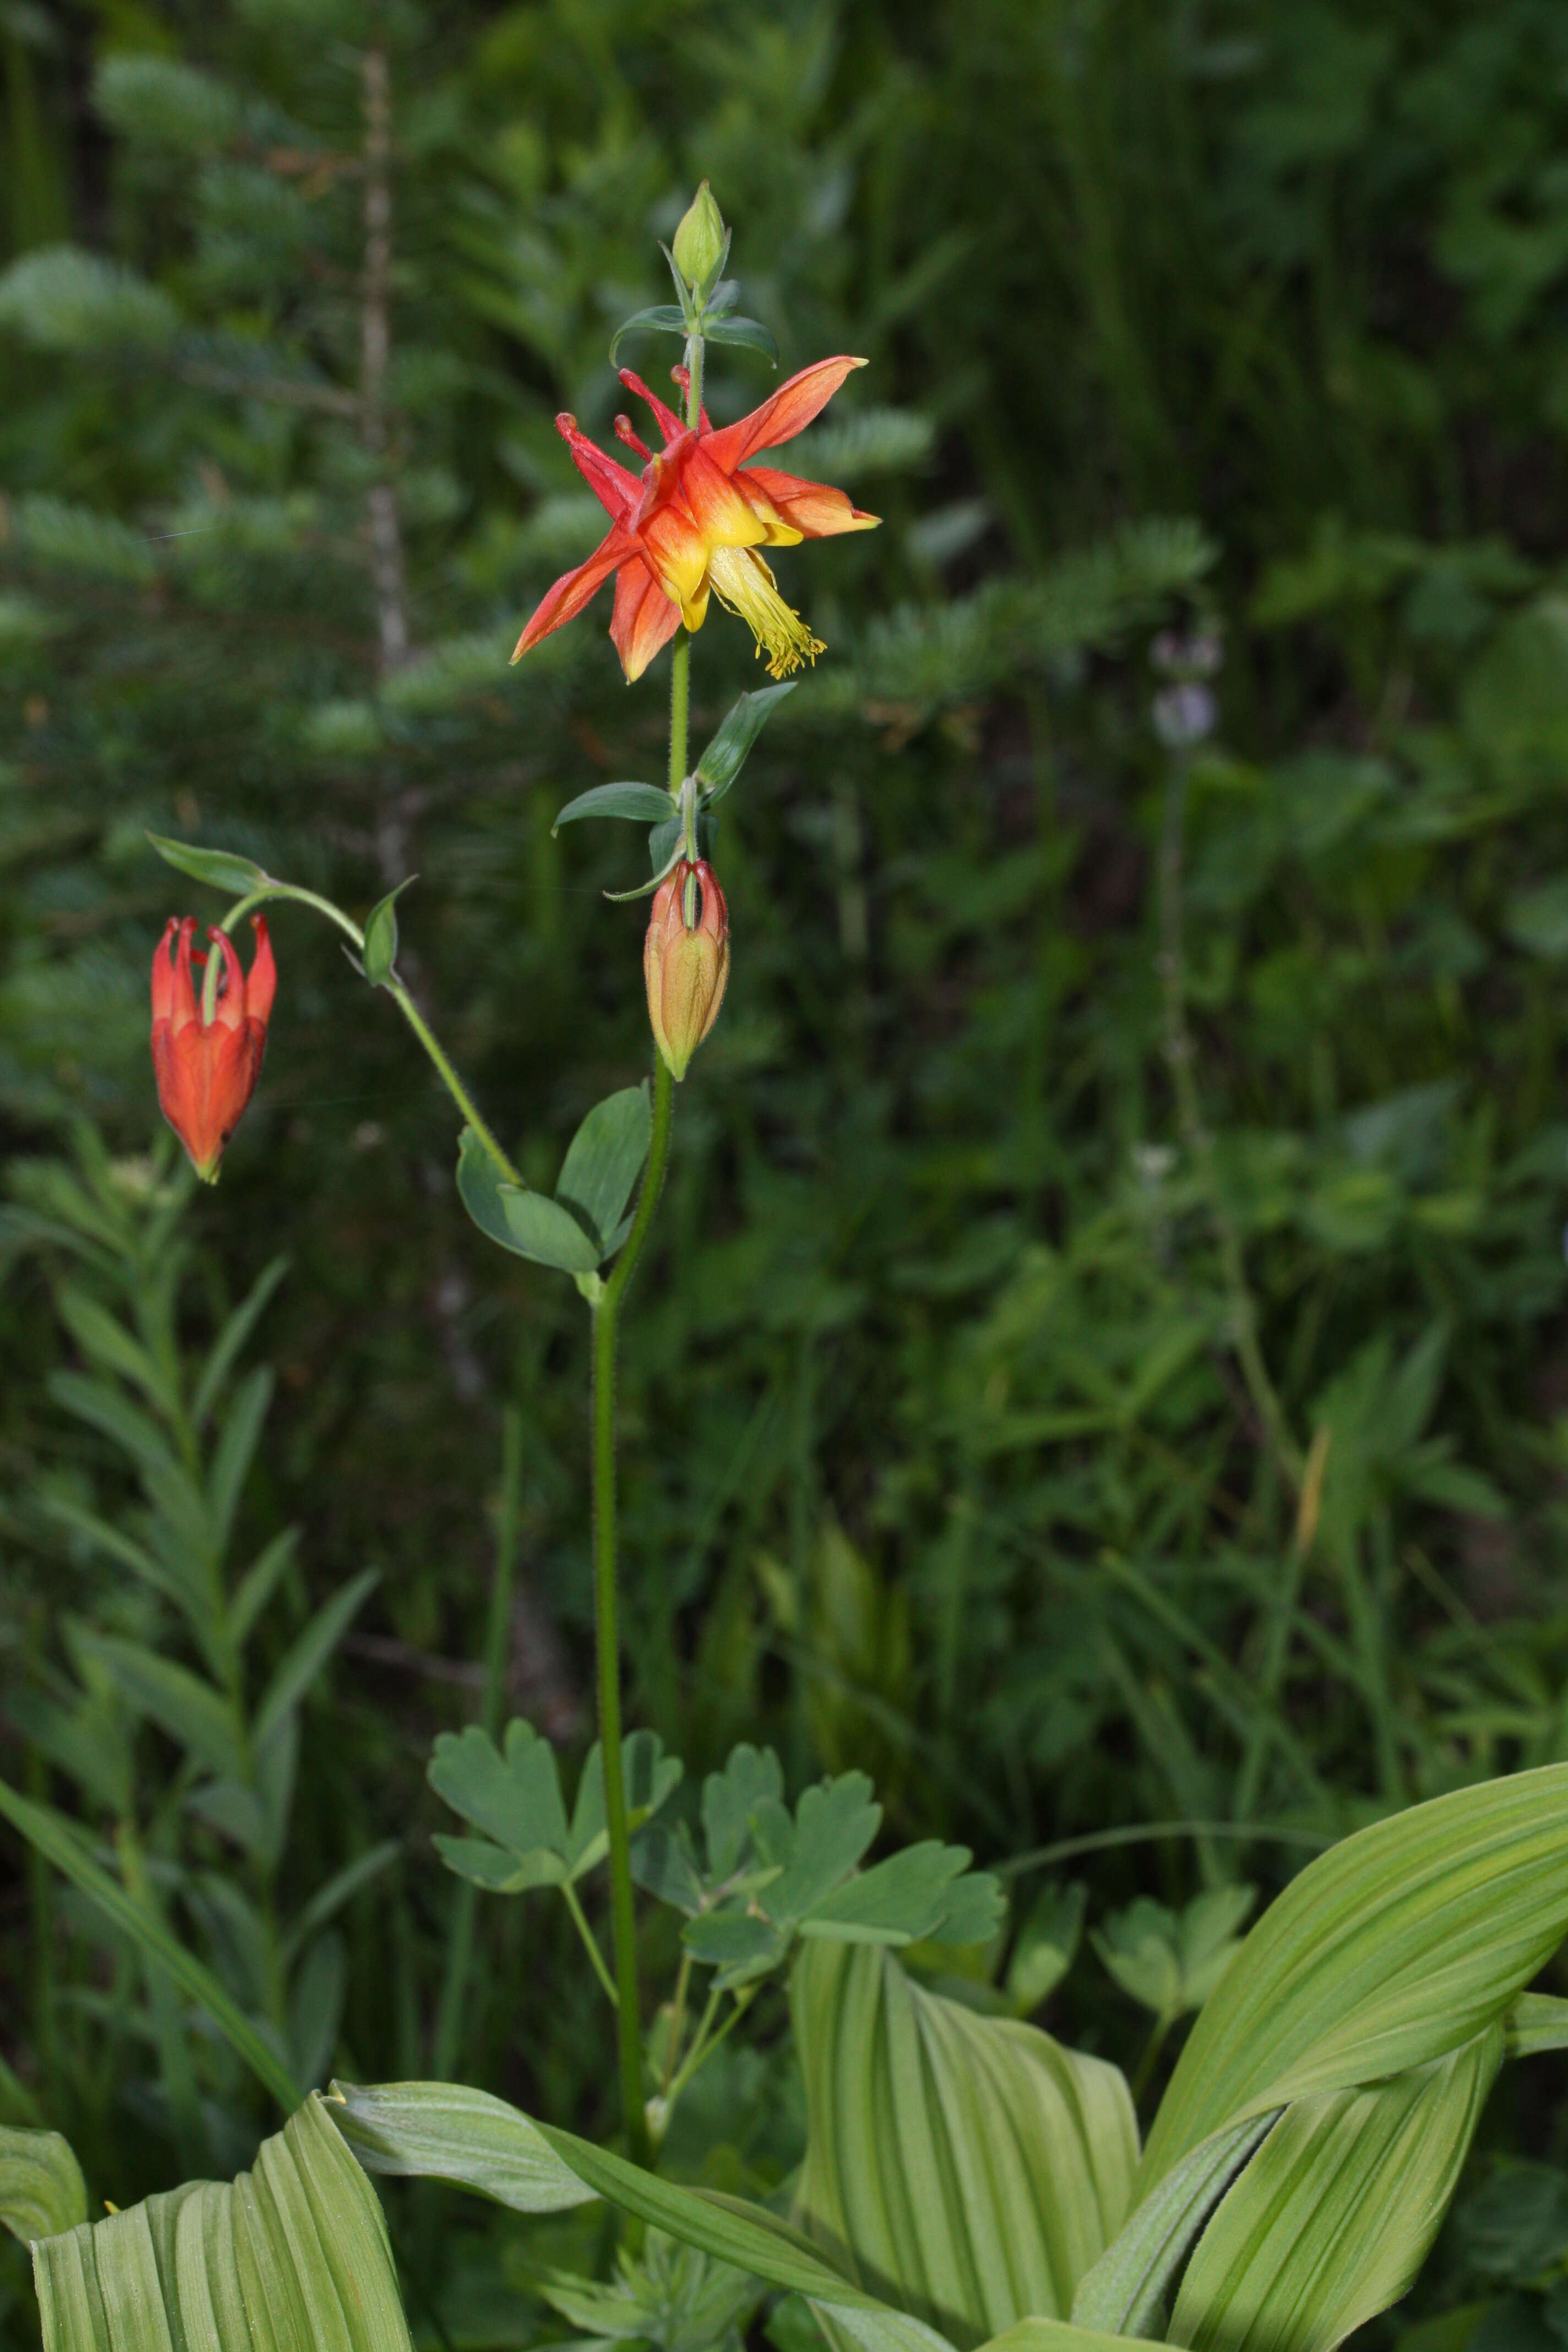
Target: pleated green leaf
447, 2133
1332, 2220
1395, 1949
293, 2254
966, 2166
1054, 2336
1130, 2283
41, 2190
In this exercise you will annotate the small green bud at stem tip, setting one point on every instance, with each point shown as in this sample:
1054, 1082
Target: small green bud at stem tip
699, 240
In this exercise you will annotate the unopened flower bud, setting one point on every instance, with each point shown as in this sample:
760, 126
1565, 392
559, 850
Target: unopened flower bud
685, 963
699, 245
206, 1069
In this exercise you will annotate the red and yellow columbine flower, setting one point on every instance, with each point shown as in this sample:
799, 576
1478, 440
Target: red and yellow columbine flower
693, 524
686, 965
206, 1070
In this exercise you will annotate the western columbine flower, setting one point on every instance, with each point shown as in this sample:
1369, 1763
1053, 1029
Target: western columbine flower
694, 523
206, 1070
686, 965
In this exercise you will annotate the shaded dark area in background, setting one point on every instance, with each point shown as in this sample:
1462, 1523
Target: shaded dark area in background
943, 1454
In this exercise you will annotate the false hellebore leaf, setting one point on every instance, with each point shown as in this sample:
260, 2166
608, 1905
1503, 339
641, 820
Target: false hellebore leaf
970, 2163
772, 1876
513, 1795
41, 2190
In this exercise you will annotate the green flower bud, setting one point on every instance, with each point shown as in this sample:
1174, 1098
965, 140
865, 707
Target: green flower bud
698, 246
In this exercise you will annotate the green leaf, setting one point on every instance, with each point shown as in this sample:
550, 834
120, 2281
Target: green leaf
1045, 1946
220, 867
660, 318
834, 1825
751, 1777
1126, 2288
1536, 2022
58, 1843
968, 2162
381, 935
738, 1944
514, 1796
495, 1868
525, 1223
308, 1655
294, 2253
726, 755
645, 803
443, 2131
1395, 1948
1334, 2217
651, 1777
663, 1863
605, 1159
748, 332
1171, 1963
41, 2188
898, 1901
236, 1331
190, 1710
1054, 2336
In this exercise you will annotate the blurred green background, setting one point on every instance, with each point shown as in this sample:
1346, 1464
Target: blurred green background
1103, 1357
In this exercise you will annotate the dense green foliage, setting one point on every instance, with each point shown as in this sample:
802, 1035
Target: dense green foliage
1101, 1358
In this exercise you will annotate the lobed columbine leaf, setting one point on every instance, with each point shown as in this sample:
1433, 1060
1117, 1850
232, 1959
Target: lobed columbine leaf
770, 1875
511, 1794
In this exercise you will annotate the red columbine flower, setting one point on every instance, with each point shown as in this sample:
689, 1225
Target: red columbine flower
693, 524
686, 964
206, 1070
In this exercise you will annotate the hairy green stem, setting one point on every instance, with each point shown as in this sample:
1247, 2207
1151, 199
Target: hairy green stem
606, 1606
607, 1622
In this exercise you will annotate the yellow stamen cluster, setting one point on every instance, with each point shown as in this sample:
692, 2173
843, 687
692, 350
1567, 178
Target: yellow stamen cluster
744, 585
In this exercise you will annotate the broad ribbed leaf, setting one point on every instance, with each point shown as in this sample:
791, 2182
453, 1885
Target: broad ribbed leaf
442, 2131
1054, 2336
445, 2131
292, 2254
1130, 2283
966, 2166
1395, 1948
41, 2190
1332, 2219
